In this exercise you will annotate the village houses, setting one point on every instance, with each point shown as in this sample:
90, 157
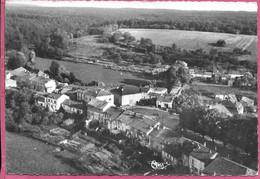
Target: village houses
22, 75
127, 95
135, 126
73, 106
165, 101
155, 92
53, 101
199, 158
234, 108
222, 166
8, 81
95, 93
43, 84
96, 109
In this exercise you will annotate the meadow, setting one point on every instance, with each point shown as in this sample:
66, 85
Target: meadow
90, 72
192, 40
25, 155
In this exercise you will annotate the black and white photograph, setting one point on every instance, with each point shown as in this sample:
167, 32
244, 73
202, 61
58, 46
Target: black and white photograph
120, 88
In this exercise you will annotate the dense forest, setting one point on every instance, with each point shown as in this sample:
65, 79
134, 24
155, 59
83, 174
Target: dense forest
26, 25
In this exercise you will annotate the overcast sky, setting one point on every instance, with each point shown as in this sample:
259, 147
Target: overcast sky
208, 6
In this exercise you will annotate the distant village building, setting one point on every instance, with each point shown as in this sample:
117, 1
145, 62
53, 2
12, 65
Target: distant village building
156, 92
43, 84
73, 106
222, 110
52, 101
235, 108
231, 82
68, 122
136, 127
171, 154
41, 73
159, 137
9, 83
8, 75
207, 101
22, 75
247, 101
165, 101
100, 105
200, 158
32, 57
95, 93
127, 95
221, 97
224, 167
234, 74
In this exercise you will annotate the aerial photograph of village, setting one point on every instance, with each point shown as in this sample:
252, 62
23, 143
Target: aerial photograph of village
131, 88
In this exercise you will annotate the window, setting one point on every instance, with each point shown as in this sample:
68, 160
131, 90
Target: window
192, 162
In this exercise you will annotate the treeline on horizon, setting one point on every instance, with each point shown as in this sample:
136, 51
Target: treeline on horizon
31, 25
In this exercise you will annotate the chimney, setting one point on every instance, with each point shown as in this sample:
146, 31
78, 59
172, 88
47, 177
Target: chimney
205, 144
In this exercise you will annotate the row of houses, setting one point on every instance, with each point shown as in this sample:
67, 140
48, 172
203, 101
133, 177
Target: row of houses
225, 75
38, 81
200, 160
229, 104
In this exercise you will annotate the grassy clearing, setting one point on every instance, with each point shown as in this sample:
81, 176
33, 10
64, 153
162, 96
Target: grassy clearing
28, 156
90, 72
192, 40
88, 46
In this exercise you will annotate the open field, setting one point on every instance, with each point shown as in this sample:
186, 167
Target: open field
192, 40
90, 72
88, 46
28, 156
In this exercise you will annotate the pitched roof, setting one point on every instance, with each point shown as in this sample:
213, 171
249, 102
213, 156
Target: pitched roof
206, 98
164, 136
40, 79
223, 166
233, 108
95, 92
232, 98
54, 95
126, 90
247, 100
172, 150
114, 112
203, 154
176, 90
157, 89
154, 94
19, 71
222, 109
22, 73
144, 124
166, 98
74, 104
95, 103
